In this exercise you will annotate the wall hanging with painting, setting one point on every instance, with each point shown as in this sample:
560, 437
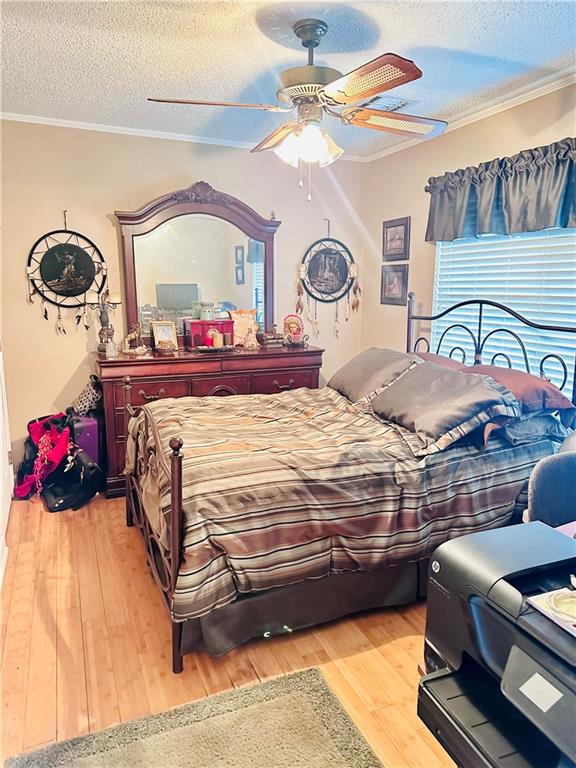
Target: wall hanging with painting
327, 274
67, 270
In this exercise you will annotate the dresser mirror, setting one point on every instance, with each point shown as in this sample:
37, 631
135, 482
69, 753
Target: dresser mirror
196, 253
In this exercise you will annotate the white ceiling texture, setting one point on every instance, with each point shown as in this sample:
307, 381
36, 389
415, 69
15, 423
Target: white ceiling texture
96, 62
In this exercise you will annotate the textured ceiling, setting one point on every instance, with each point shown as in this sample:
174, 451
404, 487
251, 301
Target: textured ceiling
96, 62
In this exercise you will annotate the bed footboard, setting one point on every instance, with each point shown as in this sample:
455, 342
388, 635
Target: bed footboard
164, 564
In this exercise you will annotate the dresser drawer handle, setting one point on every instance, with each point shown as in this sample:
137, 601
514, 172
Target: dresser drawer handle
159, 394
283, 386
222, 390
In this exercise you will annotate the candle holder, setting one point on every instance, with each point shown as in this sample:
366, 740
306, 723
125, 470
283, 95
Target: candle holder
105, 303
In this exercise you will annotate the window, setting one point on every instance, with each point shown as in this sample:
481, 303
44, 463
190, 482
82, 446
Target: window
534, 273
258, 283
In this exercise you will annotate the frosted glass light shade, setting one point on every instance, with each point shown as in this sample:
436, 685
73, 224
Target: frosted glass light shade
309, 145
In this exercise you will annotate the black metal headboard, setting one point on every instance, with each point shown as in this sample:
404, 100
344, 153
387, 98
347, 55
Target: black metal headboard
479, 338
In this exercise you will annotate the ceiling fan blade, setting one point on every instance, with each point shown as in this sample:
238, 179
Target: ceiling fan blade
376, 76
275, 138
266, 107
394, 122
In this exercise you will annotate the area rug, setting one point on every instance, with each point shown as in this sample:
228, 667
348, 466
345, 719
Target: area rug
289, 722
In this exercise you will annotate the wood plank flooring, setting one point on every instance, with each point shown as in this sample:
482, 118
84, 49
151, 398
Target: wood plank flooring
85, 644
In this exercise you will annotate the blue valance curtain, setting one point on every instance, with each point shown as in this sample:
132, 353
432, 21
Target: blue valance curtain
531, 191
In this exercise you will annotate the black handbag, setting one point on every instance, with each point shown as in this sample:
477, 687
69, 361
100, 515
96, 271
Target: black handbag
73, 483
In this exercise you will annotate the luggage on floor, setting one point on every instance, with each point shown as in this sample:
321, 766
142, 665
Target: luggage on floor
73, 483
85, 433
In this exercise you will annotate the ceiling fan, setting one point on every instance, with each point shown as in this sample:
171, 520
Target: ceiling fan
314, 91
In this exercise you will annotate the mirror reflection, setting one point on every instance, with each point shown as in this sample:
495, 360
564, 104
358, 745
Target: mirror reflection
197, 266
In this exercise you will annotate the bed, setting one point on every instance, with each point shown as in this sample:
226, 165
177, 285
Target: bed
263, 514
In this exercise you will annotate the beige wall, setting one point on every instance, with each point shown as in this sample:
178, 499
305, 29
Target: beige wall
47, 169
394, 187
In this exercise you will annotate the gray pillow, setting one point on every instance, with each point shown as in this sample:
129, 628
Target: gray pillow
438, 406
535, 426
370, 370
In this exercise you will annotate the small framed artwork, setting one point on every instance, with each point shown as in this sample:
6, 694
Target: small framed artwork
394, 285
396, 239
239, 255
240, 276
164, 331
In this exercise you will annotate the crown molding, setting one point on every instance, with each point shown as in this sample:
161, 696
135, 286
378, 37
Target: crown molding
103, 128
562, 79
541, 87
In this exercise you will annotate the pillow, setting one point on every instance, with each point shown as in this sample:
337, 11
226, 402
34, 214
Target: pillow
446, 362
534, 426
439, 406
533, 393
369, 371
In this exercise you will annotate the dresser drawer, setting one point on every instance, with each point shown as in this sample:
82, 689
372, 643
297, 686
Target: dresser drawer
220, 386
147, 390
272, 383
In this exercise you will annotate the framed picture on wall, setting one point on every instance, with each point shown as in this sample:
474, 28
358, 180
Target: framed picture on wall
240, 277
394, 284
396, 239
239, 255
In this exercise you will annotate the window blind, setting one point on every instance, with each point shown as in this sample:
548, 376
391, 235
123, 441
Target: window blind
534, 273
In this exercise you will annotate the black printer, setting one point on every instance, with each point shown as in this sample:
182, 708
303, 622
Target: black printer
500, 688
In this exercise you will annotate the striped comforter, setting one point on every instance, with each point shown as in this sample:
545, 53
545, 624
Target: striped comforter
300, 485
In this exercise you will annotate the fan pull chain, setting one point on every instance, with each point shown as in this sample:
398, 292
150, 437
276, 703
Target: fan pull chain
309, 181
300, 171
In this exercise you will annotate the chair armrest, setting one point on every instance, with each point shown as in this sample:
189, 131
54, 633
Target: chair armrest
569, 443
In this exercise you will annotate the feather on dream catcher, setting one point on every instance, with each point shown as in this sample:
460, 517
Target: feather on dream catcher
63, 267
327, 274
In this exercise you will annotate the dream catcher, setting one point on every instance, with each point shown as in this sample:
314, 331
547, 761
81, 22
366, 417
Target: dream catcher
327, 274
63, 267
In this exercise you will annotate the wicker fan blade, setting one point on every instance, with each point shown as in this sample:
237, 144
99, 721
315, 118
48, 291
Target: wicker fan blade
265, 107
275, 138
374, 77
394, 122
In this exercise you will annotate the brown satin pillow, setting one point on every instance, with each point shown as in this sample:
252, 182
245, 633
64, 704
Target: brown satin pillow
533, 393
445, 362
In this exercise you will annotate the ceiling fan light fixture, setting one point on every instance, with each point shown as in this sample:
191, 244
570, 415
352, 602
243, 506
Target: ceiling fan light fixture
287, 151
312, 144
333, 151
309, 145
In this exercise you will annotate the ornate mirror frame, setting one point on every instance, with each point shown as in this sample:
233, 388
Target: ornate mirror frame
199, 198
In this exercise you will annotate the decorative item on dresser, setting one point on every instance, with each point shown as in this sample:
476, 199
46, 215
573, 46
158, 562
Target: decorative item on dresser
266, 370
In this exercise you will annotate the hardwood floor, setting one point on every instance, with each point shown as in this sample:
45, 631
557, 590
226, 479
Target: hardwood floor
85, 644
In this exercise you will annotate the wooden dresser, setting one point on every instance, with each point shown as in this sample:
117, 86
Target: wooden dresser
264, 371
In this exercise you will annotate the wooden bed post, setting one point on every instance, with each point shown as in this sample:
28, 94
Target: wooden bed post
176, 543
127, 387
